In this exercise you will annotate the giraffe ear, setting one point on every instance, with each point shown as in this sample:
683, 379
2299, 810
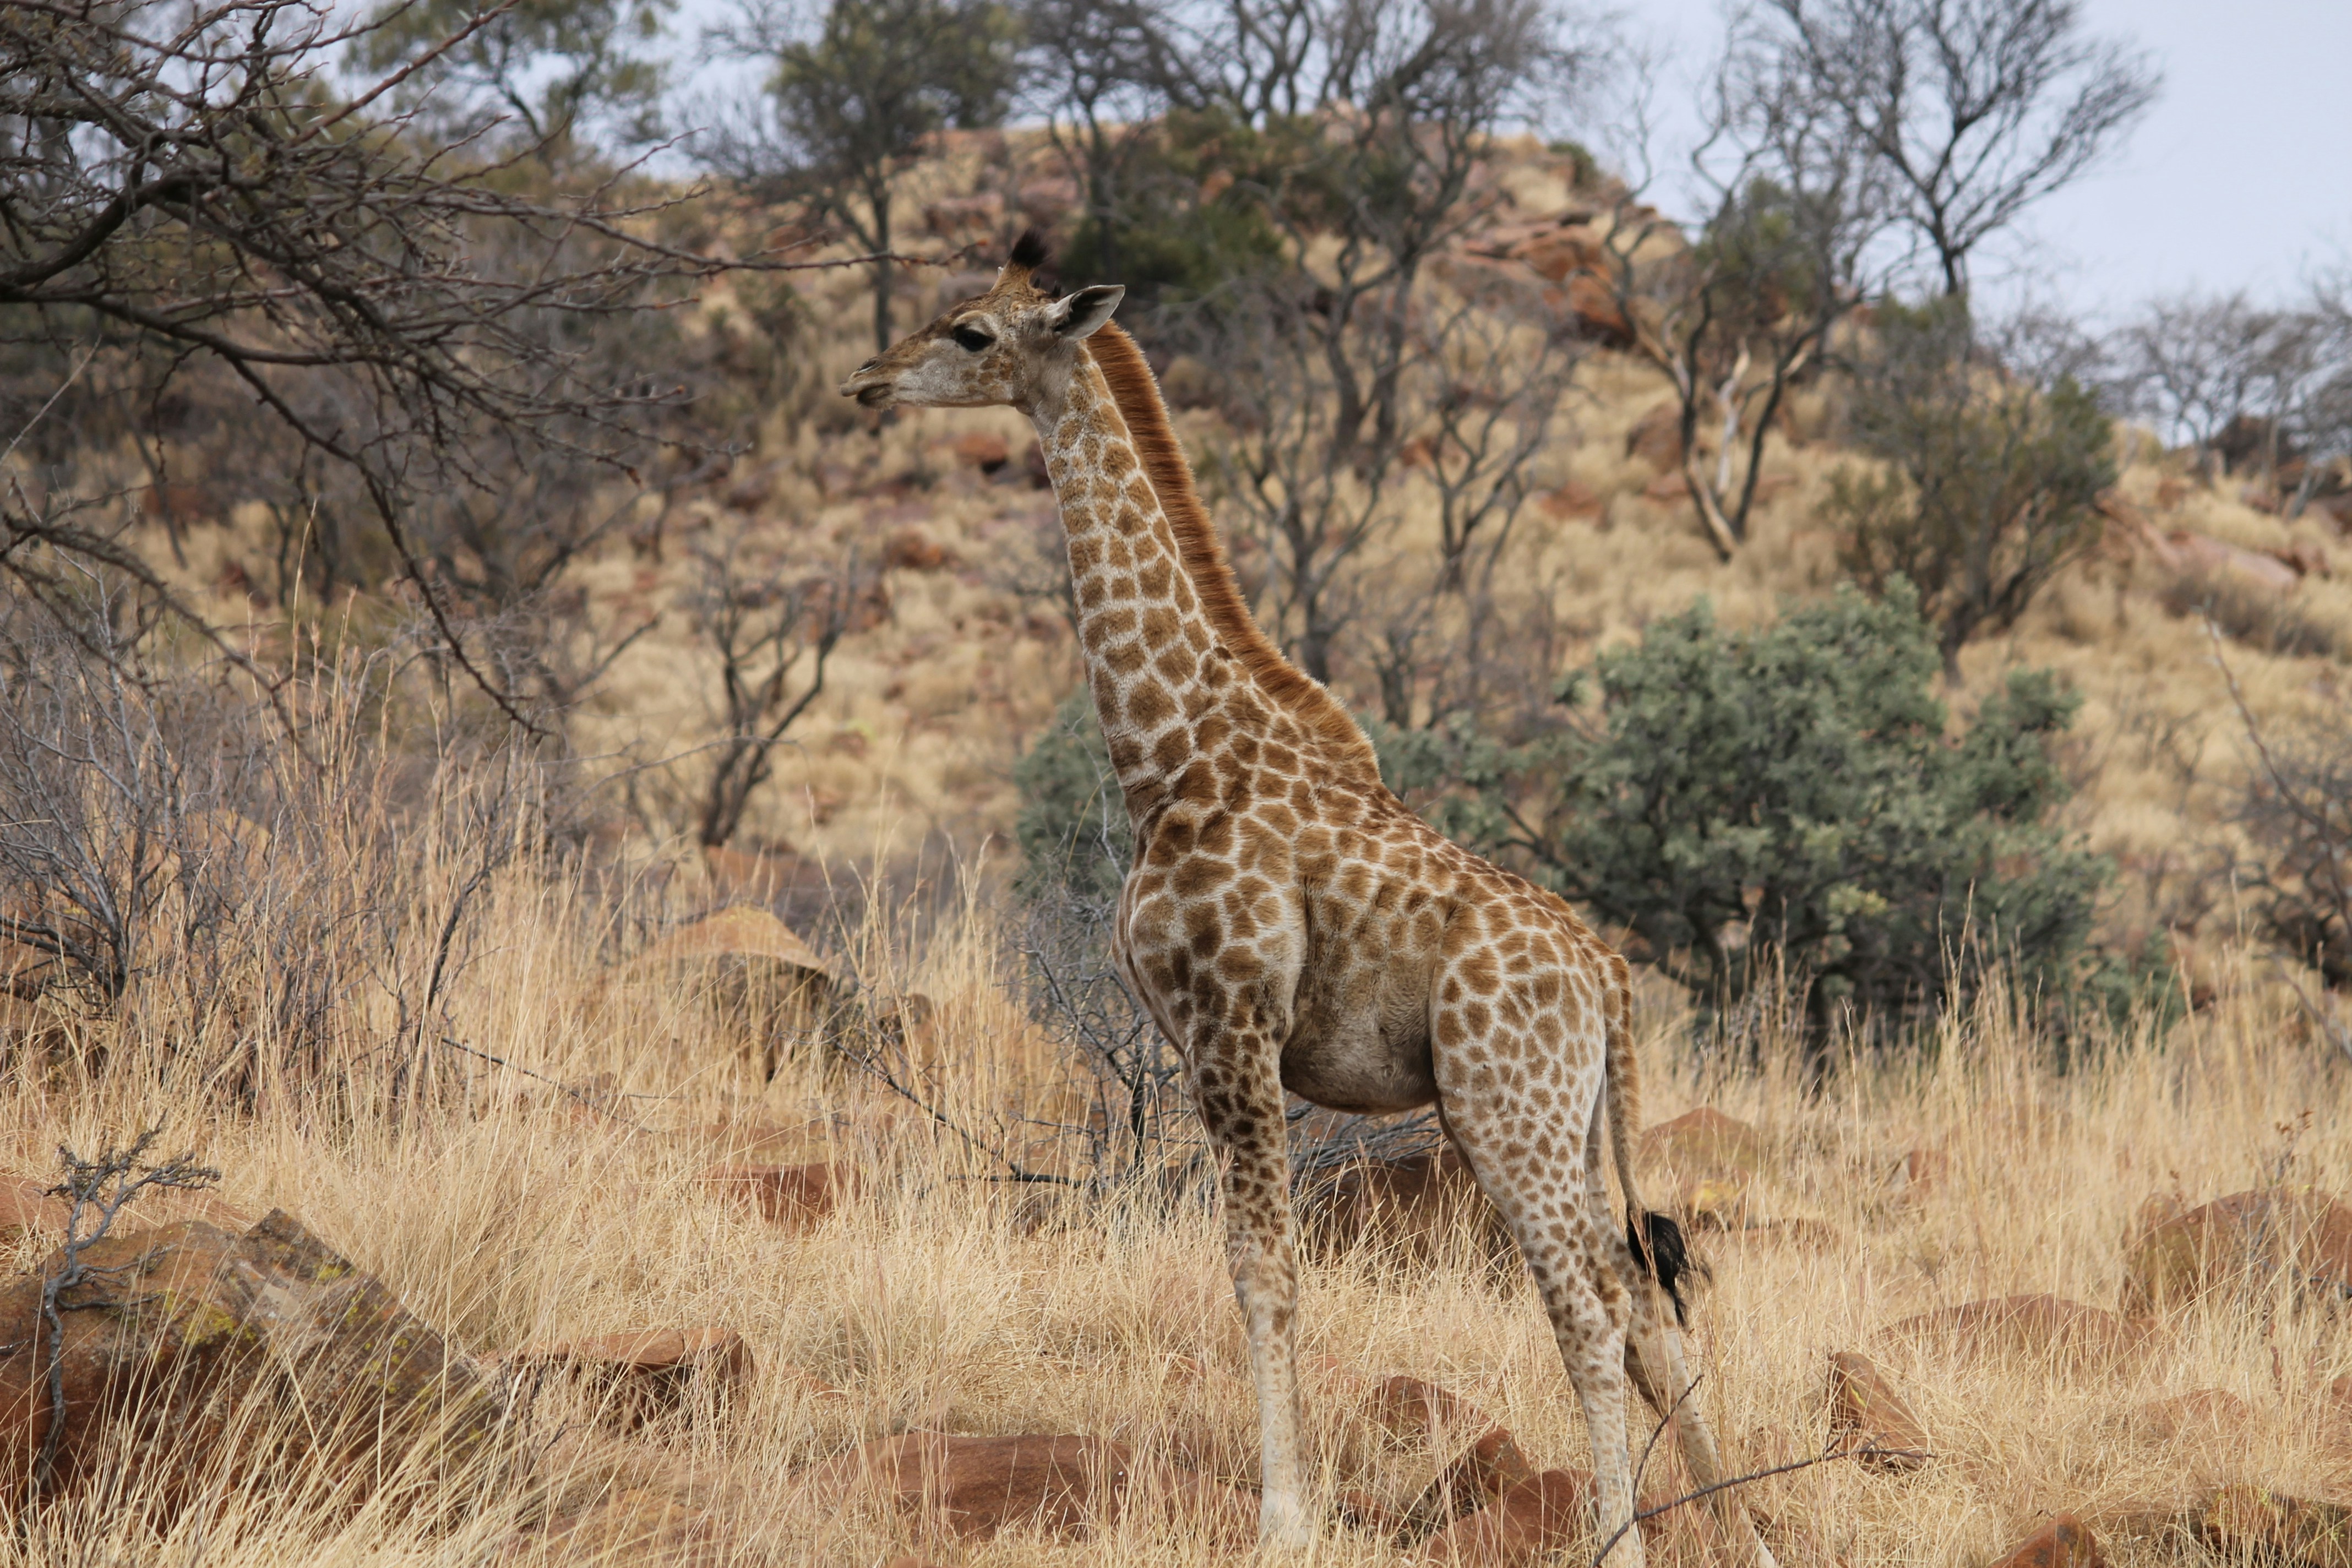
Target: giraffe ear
1082, 313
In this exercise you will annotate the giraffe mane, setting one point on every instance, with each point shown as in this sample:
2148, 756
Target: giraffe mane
1135, 391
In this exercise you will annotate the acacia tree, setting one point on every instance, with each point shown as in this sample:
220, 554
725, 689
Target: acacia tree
1972, 109
852, 101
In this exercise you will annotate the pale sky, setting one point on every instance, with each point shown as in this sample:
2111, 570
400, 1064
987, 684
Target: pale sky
2240, 175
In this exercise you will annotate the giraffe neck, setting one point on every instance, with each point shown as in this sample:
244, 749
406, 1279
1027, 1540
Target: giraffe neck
1152, 658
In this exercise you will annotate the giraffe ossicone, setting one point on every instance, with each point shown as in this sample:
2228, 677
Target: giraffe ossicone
1291, 925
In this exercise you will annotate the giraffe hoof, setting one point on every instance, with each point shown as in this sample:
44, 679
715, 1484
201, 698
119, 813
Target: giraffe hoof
1283, 1525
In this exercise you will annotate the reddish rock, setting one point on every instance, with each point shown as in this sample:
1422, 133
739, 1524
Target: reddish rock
1924, 1170
976, 1487
1868, 1416
1705, 1140
650, 1372
1406, 1207
2065, 1542
1667, 489
2247, 1240
1574, 498
1556, 254
172, 1329
1656, 437
796, 1195
1528, 1523
2201, 1412
2044, 1328
2243, 1521
1478, 1460
910, 549
983, 449
1593, 308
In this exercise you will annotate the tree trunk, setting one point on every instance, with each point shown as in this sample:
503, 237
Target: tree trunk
882, 272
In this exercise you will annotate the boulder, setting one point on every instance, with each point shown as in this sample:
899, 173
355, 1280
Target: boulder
1656, 437
2065, 1542
756, 973
2251, 1520
2248, 1240
1575, 498
1870, 1419
977, 1487
647, 1373
1406, 1207
1528, 1524
1478, 1460
1707, 1164
168, 1332
795, 1195
2048, 1328
2199, 1412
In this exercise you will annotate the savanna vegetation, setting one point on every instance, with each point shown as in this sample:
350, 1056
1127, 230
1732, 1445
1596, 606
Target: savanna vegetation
498, 761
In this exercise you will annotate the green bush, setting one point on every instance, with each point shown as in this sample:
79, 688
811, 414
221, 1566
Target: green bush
1072, 828
1784, 805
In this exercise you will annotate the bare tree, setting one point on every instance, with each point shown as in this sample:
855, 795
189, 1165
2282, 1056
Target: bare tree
1734, 308
853, 102
771, 623
1973, 110
2294, 814
2200, 365
189, 207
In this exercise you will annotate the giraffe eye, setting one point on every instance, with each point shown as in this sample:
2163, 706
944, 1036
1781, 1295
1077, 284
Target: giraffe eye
973, 337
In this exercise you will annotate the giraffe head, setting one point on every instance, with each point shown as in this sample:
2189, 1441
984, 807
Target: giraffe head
997, 347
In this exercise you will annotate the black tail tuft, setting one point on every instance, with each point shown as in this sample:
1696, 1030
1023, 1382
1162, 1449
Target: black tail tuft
1029, 251
1663, 1253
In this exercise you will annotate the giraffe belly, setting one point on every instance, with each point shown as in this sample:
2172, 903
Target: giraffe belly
1361, 1058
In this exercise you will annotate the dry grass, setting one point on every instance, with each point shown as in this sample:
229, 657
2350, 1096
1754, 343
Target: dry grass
504, 1213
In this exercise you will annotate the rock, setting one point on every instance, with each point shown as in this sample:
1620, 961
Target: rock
1528, 1523
2065, 1542
976, 1487
1656, 437
1556, 254
2049, 1328
756, 971
953, 215
1574, 498
983, 449
758, 876
2247, 1240
1704, 1141
650, 1372
1406, 1207
1868, 1416
172, 1329
910, 549
1043, 202
2245, 1520
2202, 555
1924, 1170
1592, 308
2201, 1412
1477, 1460
795, 1195
1667, 489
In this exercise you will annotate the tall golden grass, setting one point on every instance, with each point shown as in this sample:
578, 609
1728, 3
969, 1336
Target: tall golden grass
506, 1210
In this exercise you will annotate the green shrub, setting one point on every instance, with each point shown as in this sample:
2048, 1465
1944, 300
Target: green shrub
1072, 828
1784, 805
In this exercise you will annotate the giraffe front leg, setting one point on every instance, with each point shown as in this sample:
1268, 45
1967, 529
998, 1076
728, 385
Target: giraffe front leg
1237, 1086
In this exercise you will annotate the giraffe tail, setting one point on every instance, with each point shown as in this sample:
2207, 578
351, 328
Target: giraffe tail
1654, 1238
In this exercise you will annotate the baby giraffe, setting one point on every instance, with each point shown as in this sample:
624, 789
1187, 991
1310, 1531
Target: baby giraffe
1291, 925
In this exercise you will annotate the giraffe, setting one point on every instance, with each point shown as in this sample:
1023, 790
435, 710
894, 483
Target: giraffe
1291, 925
